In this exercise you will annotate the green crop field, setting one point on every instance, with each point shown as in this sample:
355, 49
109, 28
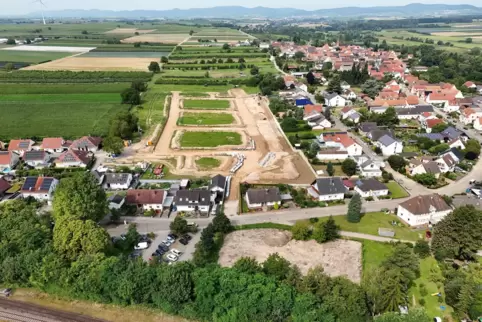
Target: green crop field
208, 163
151, 111
201, 88
31, 57
66, 110
209, 139
63, 88
206, 119
206, 104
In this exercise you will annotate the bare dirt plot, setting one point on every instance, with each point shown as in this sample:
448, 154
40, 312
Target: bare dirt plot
157, 38
95, 63
125, 31
338, 258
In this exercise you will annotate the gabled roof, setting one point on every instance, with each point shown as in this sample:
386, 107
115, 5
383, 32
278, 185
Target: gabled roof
6, 157
386, 140
74, 156
86, 142
376, 134
329, 96
370, 184
346, 109
117, 178
4, 185
368, 126
449, 161
34, 155
145, 197
52, 143
425, 204
263, 195
193, 198
218, 181
310, 108
20, 145
38, 184
431, 167
330, 186
432, 122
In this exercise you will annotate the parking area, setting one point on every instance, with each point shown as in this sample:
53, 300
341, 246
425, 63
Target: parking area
165, 246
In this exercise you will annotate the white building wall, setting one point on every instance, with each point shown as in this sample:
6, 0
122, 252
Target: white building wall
337, 196
420, 220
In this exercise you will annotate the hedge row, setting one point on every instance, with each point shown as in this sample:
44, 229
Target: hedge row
206, 81
217, 55
37, 76
205, 66
133, 49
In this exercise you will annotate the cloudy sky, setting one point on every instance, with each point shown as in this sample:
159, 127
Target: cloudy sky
27, 6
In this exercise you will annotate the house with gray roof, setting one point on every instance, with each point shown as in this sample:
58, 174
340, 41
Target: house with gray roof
193, 200
327, 189
260, 197
423, 210
35, 158
431, 167
366, 127
117, 181
334, 100
389, 145
367, 167
370, 188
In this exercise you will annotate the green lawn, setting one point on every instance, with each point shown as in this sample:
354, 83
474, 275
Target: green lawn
396, 190
206, 119
370, 222
151, 112
35, 99
337, 168
206, 104
429, 273
32, 57
202, 88
374, 253
208, 163
209, 139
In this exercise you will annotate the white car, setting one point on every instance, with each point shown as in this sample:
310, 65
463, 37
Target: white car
171, 257
143, 245
176, 252
167, 242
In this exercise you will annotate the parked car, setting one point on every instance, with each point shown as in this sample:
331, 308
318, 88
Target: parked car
183, 241
176, 252
167, 242
160, 252
172, 257
6, 292
141, 245
172, 236
187, 236
164, 247
170, 239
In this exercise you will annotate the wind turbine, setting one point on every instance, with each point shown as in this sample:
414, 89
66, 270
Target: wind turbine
42, 6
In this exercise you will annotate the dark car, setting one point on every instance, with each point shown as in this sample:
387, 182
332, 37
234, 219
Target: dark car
163, 247
183, 241
187, 236
160, 252
173, 236
143, 238
154, 254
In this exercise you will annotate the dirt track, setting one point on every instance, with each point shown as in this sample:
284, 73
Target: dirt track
256, 122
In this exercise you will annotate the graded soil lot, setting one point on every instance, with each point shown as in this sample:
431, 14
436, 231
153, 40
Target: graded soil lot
96, 64
157, 38
205, 104
209, 139
205, 119
338, 258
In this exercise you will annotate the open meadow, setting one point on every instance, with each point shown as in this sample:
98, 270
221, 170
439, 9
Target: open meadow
205, 104
30, 56
206, 119
209, 139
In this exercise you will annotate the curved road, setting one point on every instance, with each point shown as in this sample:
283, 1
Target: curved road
11, 310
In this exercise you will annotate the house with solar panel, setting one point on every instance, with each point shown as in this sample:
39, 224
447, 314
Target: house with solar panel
87, 143
36, 159
8, 161
74, 158
20, 146
40, 188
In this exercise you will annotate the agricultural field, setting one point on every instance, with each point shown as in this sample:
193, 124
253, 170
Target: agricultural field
95, 64
24, 76
206, 104
31, 57
157, 38
66, 110
151, 111
194, 89
209, 139
208, 163
206, 119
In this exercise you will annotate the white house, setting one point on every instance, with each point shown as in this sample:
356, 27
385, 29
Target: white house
117, 181
354, 117
446, 163
146, 199
73, 158
426, 167
40, 188
337, 146
349, 95
389, 145
478, 124
193, 200
258, 198
116, 202
334, 100
327, 189
8, 161
347, 111
87, 143
370, 188
319, 123
423, 210
367, 167
36, 158
54, 145
469, 115
457, 143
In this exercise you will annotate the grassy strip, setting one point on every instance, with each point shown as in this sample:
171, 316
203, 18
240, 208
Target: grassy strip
263, 225
396, 191
210, 139
206, 104
9, 89
32, 57
61, 98
208, 163
205, 119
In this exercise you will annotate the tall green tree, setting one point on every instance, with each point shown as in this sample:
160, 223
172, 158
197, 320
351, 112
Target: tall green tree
349, 167
222, 224
458, 235
276, 266
113, 144
330, 169
80, 197
179, 225
472, 149
301, 230
413, 315
354, 209
405, 261
130, 96
334, 86
154, 67
247, 265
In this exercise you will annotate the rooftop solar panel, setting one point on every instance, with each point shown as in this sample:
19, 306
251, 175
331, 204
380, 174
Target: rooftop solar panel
24, 145
46, 184
29, 183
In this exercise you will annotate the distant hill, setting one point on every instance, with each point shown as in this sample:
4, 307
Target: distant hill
410, 10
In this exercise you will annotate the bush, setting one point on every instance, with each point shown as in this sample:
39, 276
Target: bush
421, 302
422, 248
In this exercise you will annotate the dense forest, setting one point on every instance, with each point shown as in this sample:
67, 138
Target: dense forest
68, 254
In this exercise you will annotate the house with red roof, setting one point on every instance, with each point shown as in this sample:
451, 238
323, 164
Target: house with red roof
470, 85
55, 145
311, 111
428, 124
40, 188
8, 161
442, 99
469, 115
87, 143
337, 146
74, 158
4, 187
20, 146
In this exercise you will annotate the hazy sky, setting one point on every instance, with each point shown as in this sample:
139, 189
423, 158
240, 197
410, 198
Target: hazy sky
27, 6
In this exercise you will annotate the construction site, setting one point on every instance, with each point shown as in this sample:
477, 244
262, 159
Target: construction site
252, 149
